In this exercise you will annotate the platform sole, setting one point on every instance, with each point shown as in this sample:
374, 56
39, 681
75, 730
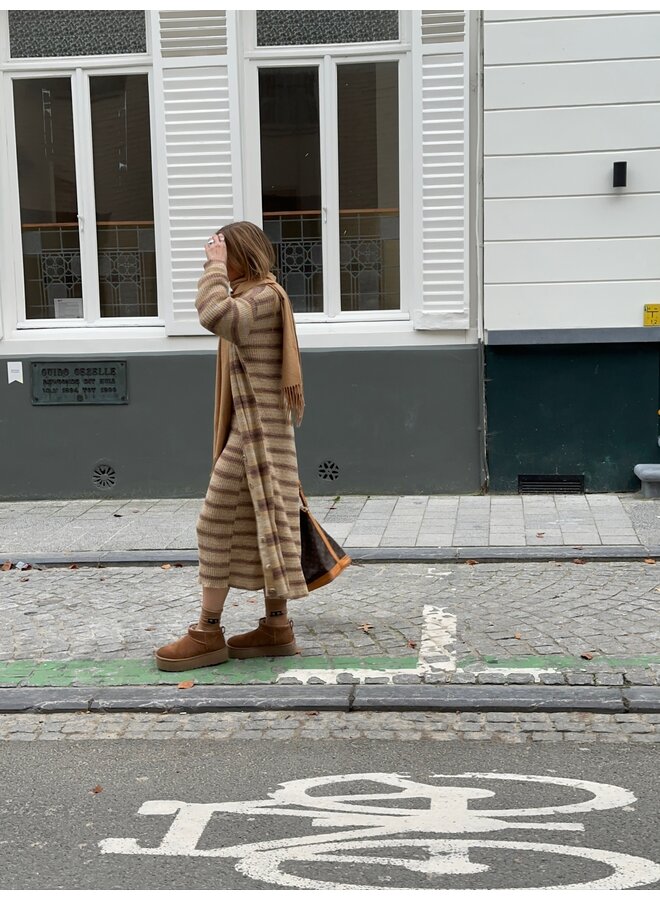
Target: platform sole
253, 652
193, 662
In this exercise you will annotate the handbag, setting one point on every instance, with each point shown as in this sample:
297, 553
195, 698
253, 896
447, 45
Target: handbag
321, 557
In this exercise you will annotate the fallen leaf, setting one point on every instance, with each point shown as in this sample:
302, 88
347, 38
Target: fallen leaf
540, 533
312, 712
23, 565
73, 566
471, 562
366, 627
117, 515
6, 566
150, 628
252, 601
166, 566
586, 656
578, 562
517, 635
649, 562
96, 789
185, 684
25, 578
411, 644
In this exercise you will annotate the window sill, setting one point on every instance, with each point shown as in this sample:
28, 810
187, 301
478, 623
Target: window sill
133, 339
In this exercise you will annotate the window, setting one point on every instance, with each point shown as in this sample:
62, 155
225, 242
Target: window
75, 32
85, 193
325, 26
351, 229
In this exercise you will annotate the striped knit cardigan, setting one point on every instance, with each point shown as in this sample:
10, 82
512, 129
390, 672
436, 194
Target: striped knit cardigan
248, 374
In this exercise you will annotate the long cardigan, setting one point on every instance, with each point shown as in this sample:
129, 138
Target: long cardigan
248, 378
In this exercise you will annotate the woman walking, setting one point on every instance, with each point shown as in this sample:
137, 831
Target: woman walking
248, 530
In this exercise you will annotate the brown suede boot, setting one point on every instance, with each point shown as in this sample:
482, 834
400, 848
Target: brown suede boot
193, 650
266, 640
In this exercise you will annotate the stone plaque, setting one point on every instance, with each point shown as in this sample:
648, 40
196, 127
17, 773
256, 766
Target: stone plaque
72, 383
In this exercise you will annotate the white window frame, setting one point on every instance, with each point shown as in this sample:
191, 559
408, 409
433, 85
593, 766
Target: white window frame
327, 57
79, 70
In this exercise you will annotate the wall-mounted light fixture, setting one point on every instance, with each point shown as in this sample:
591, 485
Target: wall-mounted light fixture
619, 174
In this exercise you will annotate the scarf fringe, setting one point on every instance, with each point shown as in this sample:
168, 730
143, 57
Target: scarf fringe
293, 402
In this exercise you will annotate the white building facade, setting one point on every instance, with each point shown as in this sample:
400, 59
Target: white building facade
129, 137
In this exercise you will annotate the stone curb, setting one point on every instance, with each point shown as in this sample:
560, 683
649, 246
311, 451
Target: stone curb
342, 698
613, 553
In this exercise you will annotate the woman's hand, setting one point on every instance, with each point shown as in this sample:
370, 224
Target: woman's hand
216, 249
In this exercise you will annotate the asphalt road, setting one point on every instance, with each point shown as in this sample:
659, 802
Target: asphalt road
202, 815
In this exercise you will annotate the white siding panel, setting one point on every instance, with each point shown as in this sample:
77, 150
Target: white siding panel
605, 304
614, 216
499, 15
511, 262
443, 178
199, 181
573, 84
567, 94
567, 174
566, 40
572, 130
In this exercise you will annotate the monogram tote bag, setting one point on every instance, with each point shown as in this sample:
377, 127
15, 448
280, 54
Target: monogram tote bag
321, 557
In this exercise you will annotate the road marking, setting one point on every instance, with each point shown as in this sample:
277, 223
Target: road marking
381, 810
437, 650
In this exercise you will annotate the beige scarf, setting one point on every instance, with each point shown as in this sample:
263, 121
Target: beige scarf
292, 387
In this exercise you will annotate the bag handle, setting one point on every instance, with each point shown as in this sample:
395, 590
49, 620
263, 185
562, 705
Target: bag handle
302, 495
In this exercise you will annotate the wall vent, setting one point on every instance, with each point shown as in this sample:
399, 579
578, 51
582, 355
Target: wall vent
104, 476
193, 33
442, 25
328, 470
551, 484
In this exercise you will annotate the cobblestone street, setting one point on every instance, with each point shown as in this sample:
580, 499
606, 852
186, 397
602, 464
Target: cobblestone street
585, 624
516, 728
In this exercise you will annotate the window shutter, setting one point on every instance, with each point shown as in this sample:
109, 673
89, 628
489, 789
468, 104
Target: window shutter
192, 95
441, 190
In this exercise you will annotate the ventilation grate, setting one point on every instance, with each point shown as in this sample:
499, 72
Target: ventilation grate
193, 33
104, 476
442, 25
551, 484
328, 470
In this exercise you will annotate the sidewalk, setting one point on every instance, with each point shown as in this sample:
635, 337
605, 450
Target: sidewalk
512, 527
582, 626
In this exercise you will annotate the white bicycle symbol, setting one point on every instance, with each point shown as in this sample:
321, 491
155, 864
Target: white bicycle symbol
381, 824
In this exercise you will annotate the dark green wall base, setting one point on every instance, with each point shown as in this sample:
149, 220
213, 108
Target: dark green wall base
586, 409
385, 421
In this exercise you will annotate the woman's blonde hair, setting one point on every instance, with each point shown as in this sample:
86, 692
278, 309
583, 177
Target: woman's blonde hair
249, 249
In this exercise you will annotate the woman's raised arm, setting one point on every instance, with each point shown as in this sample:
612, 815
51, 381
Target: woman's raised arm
229, 317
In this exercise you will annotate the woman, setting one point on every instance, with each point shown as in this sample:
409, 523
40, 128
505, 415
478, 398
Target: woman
248, 530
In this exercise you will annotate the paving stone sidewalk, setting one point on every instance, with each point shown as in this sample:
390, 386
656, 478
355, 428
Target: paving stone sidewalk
496, 623
593, 520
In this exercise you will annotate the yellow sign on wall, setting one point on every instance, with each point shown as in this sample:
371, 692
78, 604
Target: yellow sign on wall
652, 313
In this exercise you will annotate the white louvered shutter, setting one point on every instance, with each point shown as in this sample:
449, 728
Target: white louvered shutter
192, 97
441, 64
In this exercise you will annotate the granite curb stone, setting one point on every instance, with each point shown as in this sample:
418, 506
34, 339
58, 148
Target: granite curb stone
343, 698
611, 553
643, 699
503, 698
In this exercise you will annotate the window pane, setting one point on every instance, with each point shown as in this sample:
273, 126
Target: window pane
124, 201
277, 27
291, 180
47, 191
75, 32
367, 98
